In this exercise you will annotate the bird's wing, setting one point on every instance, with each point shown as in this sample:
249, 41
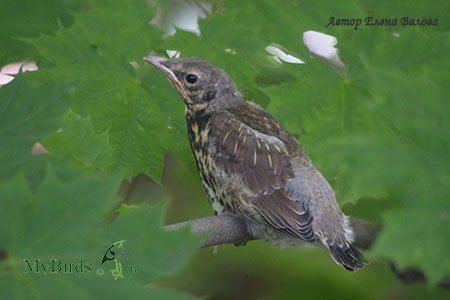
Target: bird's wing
287, 215
264, 163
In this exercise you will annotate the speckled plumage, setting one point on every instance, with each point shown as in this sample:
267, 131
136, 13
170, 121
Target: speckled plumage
252, 167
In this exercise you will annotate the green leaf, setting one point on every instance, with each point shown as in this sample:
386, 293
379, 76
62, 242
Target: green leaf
43, 19
143, 122
417, 236
380, 130
79, 141
63, 223
27, 115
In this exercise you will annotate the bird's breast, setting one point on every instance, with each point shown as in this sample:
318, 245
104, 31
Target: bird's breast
200, 139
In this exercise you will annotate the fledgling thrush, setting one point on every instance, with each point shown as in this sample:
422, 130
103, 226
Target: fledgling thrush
252, 167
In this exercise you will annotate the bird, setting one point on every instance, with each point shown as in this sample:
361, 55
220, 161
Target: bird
252, 167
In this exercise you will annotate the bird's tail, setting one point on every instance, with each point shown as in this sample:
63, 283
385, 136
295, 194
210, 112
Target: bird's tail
348, 256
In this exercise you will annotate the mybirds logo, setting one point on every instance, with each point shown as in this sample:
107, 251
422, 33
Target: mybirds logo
114, 252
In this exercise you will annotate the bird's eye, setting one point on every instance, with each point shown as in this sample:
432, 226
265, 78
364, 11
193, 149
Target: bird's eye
191, 78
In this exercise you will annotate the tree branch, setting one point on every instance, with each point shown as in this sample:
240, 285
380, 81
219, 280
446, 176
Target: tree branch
223, 229
230, 229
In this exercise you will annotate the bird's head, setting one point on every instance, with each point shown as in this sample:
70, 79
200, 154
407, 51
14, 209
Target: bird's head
201, 85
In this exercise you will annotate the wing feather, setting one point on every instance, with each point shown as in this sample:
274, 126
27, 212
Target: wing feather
262, 158
264, 163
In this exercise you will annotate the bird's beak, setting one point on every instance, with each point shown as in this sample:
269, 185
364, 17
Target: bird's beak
163, 64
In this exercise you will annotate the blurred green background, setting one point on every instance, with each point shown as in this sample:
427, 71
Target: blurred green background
117, 164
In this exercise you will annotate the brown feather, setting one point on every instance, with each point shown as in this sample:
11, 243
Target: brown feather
239, 146
272, 168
